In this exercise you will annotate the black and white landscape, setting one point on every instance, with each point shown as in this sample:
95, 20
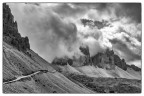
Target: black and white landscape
72, 48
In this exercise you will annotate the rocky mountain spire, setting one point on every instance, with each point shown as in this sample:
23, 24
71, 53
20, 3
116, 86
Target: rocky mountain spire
85, 51
10, 31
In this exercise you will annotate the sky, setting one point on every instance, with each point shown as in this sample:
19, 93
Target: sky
56, 30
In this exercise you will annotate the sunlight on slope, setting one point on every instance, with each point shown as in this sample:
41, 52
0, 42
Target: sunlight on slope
99, 72
93, 72
125, 74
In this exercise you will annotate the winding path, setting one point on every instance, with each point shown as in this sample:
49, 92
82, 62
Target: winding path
28, 76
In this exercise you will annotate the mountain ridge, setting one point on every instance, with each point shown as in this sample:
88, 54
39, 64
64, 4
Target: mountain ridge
106, 60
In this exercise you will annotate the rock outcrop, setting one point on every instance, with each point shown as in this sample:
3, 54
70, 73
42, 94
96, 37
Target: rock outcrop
85, 51
120, 62
10, 31
104, 60
134, 67
109, 60
95, 23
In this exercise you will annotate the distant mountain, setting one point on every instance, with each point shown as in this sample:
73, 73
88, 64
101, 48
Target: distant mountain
108, 60
106, 64
95, 23
102, 63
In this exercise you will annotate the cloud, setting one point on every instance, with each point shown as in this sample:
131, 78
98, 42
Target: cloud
69, 10
133, 30
93, 44
118, 10
136, 63
130, 10
55, 29
49, 34
126, 53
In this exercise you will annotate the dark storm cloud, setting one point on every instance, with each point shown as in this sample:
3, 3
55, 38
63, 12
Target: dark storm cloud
103, 7
99, 6
128, 10
132, 10
139, 38
129, 54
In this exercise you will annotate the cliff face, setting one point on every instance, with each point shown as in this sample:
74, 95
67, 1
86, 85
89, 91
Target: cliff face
95, 23
108, 60
10, 31
85, 51
104, 60
120, 62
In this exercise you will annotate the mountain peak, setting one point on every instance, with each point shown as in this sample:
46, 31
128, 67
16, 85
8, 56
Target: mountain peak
104, 60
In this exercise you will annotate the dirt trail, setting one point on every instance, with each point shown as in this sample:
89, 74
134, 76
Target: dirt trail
28, 76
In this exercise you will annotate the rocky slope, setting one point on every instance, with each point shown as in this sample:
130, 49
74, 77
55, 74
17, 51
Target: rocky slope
21, 66
10, 31
17, 64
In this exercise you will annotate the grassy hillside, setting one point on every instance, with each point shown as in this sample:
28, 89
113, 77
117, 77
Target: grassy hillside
24, 71
108, 85
17, 63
